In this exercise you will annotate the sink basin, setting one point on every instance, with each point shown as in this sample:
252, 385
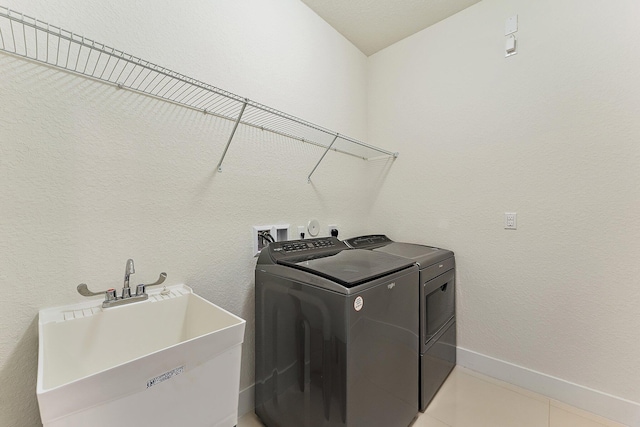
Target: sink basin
171, 360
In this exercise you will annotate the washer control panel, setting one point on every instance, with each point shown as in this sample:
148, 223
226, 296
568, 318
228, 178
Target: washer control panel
321, 246
306, 245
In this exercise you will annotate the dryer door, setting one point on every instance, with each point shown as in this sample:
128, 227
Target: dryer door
437, 299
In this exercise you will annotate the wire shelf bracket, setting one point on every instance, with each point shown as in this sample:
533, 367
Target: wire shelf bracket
233, 132
30, 38
321, 158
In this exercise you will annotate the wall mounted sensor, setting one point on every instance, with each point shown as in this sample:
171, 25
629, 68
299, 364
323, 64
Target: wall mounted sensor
510, 27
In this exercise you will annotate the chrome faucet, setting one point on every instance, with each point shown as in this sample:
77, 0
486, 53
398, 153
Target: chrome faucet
111, 298
128, 271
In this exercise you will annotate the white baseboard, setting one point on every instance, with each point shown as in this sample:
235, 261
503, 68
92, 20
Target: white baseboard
603, 404
246, 402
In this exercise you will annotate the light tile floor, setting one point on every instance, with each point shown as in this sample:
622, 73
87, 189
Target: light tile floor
470, 399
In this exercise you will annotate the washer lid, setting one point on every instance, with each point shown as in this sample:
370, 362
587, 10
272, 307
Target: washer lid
424, 256
349, 267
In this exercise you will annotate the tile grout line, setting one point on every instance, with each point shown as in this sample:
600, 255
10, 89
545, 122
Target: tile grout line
436, 418
508, 386
549, 402
582, 413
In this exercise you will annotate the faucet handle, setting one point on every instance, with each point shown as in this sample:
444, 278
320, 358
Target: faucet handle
84, 291
142, 288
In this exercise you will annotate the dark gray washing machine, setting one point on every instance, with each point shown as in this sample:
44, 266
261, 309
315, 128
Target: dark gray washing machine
437, 307
336, 336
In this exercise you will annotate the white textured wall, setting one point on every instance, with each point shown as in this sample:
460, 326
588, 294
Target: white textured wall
91, 175
551, 133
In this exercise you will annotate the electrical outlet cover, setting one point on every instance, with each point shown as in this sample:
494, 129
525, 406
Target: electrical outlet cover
510, 221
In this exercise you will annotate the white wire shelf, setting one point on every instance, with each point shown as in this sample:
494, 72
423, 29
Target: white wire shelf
33, 39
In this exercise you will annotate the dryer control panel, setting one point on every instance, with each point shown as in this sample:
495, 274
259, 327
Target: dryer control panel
368, 242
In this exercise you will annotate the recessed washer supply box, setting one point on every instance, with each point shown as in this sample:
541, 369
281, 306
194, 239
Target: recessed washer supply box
171, 360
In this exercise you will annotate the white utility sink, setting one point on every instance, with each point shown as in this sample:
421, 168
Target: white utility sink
172, 360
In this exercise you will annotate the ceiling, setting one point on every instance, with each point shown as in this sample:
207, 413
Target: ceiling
372, 25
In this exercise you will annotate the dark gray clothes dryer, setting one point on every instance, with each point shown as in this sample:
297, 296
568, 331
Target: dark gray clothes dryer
336, 336
437, 307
